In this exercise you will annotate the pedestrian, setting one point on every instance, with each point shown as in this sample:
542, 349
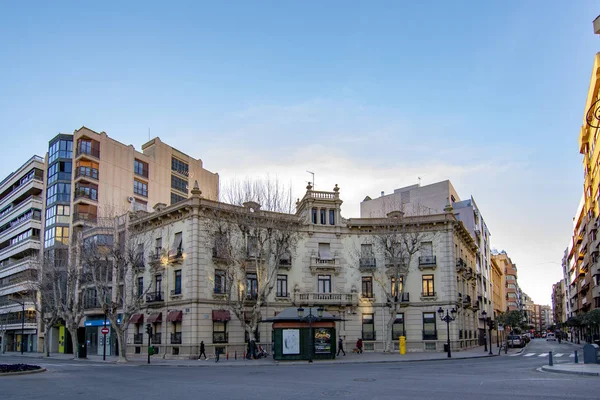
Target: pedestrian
217, 354
359, 345
341, 346
202, 350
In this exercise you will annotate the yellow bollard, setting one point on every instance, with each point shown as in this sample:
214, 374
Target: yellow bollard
402, 344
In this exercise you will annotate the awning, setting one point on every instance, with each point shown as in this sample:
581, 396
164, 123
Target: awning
221, 315
155, 318
136, 319
174, 316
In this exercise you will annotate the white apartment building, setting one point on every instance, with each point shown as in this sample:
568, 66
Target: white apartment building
20, 234
186, 302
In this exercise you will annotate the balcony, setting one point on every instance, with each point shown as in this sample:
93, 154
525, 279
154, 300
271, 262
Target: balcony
176, 338
468, 273
285, 263
427, 262
25, 244
177, 256
157, 338
82, 217
367, 264
176, 293
86, 173
466, 301
429, 335
138, 338
17, 263
220, 256
461, 265
596, 291
475, 305
87, 151
154, 297
318, 264
329, 299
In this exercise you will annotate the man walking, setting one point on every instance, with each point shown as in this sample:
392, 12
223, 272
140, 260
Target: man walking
341, 346
359, 345
202, 350
217, 354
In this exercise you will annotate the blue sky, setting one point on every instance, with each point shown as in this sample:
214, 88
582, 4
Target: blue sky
369, 96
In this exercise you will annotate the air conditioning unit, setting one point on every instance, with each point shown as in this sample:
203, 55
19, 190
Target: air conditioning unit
131, 199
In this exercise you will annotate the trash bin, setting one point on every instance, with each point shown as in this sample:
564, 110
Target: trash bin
591, 354
446, 347
82, 353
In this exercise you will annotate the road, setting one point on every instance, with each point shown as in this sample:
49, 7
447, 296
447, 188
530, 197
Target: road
501, 378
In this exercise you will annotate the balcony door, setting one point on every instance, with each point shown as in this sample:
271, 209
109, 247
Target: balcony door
324, 284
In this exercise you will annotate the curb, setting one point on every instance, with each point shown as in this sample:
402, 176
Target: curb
295, 363
35, 371
546, 368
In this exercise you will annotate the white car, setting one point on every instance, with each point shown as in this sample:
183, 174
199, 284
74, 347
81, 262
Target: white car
551, 336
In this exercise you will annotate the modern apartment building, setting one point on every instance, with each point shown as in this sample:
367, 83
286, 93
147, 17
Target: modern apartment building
433, 198
503, 261
332, 266
559, 314
20, 242
90, 176
498, 287
547, 319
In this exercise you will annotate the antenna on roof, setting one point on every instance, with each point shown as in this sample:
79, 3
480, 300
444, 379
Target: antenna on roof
313, 175
419, 180
148, 133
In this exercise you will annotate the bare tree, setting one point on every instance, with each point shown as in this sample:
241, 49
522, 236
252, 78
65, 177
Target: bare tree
252, 236
396, 240
3, 329
112, 256
48, 294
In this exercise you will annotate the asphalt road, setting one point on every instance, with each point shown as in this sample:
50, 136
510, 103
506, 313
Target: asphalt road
504, 377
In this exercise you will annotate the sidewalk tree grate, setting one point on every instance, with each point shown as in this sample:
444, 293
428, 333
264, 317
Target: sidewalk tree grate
364, 379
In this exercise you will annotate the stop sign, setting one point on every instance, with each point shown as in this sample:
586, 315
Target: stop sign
104, 331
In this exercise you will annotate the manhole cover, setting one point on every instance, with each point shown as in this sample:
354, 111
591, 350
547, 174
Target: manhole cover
364, 380
336, 393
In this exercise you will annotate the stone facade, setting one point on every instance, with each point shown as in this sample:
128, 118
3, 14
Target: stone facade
325, 270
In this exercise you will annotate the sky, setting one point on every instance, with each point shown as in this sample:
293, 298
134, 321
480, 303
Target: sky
368, 95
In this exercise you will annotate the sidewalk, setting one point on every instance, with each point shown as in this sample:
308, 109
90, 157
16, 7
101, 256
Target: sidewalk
350, 358
574, 369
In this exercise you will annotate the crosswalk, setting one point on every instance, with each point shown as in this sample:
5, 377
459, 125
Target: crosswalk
555, 355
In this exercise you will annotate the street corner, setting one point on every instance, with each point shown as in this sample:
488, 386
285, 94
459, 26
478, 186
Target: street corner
573, 369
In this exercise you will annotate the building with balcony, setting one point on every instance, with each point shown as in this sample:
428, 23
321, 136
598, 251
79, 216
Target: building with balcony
433, 198
334, 265
559, 314
511, 286
21, 208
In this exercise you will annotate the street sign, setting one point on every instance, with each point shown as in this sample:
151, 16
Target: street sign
104, 331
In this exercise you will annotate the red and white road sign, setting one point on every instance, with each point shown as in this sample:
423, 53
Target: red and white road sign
105, 331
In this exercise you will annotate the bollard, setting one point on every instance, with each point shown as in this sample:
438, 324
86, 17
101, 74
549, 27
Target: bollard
227, 356
550, 359
576, 358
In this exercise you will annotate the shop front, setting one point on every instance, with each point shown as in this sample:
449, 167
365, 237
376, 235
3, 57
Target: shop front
95, 340
297, 338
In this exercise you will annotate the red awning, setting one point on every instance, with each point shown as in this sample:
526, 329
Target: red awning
155, 318
221, 315
174, 316
136, 319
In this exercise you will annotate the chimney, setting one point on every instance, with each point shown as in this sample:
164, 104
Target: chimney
382, 193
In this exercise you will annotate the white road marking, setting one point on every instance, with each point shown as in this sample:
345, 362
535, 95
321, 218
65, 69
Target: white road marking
559, 355
572, 355
515, 355
529, 355
543, 355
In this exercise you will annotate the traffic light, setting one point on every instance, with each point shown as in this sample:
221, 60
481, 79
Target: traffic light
149, 329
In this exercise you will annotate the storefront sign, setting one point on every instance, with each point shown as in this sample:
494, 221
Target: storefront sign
322, 341
291, 341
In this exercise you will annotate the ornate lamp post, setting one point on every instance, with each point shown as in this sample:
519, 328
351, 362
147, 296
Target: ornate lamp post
485, 319
490, 325
449, 317
310, 318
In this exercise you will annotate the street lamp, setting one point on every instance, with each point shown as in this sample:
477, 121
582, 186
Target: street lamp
449, 317
484, 316
310, 318
490, 324
22, 322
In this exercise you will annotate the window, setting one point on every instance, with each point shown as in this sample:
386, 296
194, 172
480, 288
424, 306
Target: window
178, 281
178, 244
158, 286
428, 285
140, 285
314, 215
87, 190
398, 327
331, 217
59, 234
24, 236
219, 331
158, 246
60, 149
324, 251
86, 168
282, 286
88, 146
426, 249
322, 216
251, 287
179, 166
367, 287
179, 184
53, 212
140, 188
60, 170
175, 198
220, 282
252, 246
324, 284
368, 327
58, 192
429, 329
140, 168
396, 289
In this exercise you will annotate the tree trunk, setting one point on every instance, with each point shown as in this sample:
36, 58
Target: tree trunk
47, 330
389, 328
121, 333
72, 328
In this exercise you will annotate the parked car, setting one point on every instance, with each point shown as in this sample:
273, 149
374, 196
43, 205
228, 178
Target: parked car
515, 341
544, 335
551, 336
526, 338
